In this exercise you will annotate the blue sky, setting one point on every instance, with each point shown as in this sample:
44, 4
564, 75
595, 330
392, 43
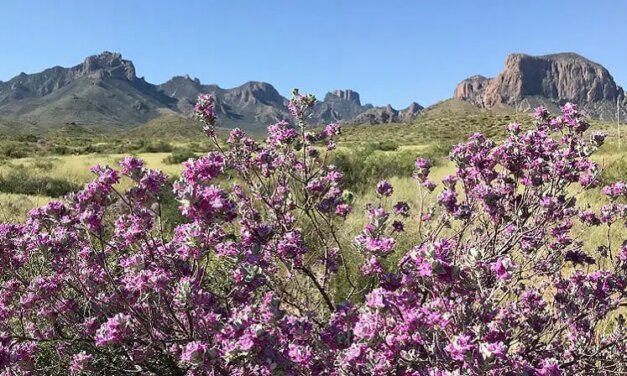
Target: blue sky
389, 51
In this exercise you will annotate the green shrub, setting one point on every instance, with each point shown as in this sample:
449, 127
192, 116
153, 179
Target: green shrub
13, 149
19, 181
363, 167
158, 147
179, 156
436, 152
44, 164
28, 138
60, 150
169, 206
382, 145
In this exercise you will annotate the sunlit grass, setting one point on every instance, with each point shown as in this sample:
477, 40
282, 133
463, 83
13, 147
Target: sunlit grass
14, 207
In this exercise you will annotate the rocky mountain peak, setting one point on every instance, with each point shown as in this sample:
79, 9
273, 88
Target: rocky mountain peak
556, 78
108, 65
388, 114
255, 92
413, 108
343, 95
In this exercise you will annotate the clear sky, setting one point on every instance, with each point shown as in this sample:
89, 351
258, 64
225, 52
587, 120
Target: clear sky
390, 51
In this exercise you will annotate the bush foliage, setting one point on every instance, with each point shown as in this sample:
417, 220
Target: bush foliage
497, 281
179, 156
20, 181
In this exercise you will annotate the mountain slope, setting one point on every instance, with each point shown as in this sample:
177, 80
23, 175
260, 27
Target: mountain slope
249, 106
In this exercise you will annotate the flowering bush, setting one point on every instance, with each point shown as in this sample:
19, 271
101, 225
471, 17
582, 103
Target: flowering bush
258, 280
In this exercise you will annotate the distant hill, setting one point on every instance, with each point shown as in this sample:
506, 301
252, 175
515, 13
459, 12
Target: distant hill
249, 106
387, 114
104, 92
550, 80
255, 105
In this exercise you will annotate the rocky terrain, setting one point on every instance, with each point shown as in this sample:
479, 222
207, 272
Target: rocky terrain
104, 91
551, 80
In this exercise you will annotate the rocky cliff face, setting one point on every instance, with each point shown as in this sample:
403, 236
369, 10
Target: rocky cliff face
106, 65
249, 106
549, 80
343, 95
339, 105
472, 89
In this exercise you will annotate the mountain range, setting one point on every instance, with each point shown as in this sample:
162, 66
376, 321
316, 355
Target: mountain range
105, 93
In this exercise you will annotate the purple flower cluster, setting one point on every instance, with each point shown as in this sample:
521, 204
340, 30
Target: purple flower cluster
259, 279
384, 188
204, 110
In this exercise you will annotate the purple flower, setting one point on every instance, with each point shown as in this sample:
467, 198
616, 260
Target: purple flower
256, 275
429, 185
205, 110
235, 136
300, 354
334, 176
81, 363
384, 188
540, 113
131, 166
332, 129
398, 226
597, 138
401, 208
380, 246
448, 199
460, 345
492, 349
502, 268
194, 353
514, 128
615, 190
114, 331
423, 164
281, 134
343, 210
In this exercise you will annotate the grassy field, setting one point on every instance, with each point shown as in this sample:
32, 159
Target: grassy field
366, 153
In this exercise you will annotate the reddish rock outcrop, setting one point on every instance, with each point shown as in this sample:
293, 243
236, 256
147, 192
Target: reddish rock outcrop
551, 79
